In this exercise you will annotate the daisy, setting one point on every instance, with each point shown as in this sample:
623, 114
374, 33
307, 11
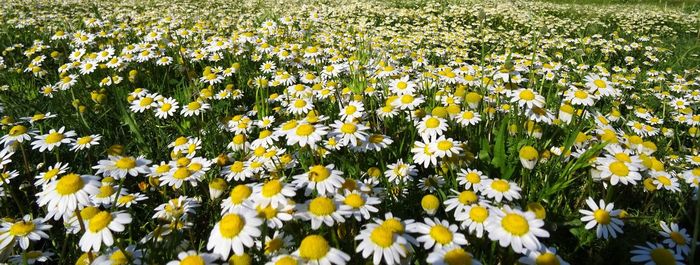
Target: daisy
23, 231
468, 117
666, 181
99, 228
274, 193
407, 102
431, 127
68, 193
600, 86
321, 210
375, 142
277, 244
543, 255
431, 183
516, 228
314, 250
603, 218
349, 133
239, 198
357, 204
460, 200
117, 256
166, 107
437, 233
471, 179
400, 172
618, 171
284, 259
498, 189
86, 142
238, 171
579, 97
194, 108
451, 255
234, 232
119, 167
275, 217
305, 134
655, 254
51, 173
176, 209
474, 217
31, 257
323, 179
445, 147
351, 111
300, 106
18, 133
526, 97
52, 139
423, 154
192, 257
676, 237
382, 243
402, 86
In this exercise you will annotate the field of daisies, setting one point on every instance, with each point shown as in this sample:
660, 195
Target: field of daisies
185, 132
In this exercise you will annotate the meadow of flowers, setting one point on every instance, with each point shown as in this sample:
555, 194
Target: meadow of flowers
348, 132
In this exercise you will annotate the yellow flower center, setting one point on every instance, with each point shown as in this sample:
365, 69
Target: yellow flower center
478, 214
194, 105
240, 193
105, 191
599, 83
547, 259
271, 188
313, 247
662, 256
664, 180
273, 245
468, 115
119, 258
457, 256
619, 168
21, 228
528, 153
166, 107
84, 140
401, 85
407, 99
181, 173
146, 101
527, 95
473, 178
444, 145
287, 260
581, 94
231, 225
354, 200
18, 130
394, 225
322, 206
305, 130
192, 260
500, 185
126, 163
319, 173
602, 217
299, 103
515, 224
51, 173
467, 197
678, 238
432, 122
69, 184
382, 236
348, 128
350, 109
441, 234
53, 138
100, 221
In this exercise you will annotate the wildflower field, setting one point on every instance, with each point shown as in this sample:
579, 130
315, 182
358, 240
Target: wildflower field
187, 132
